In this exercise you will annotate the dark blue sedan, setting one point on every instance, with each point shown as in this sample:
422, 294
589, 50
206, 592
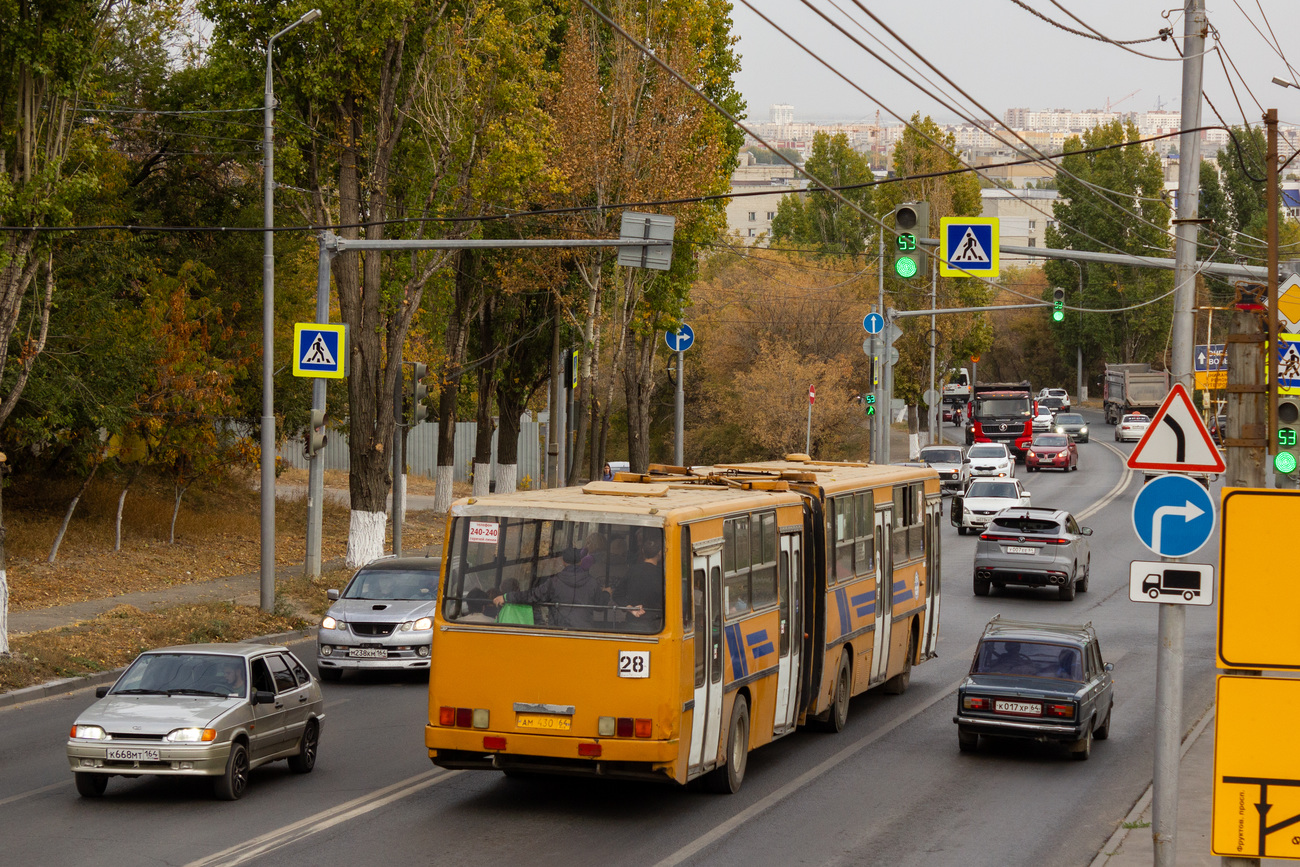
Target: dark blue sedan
1038, 681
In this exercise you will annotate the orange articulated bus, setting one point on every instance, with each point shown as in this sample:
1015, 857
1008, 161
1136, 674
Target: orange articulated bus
661, 626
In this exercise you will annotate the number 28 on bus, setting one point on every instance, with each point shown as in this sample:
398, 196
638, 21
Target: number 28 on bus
660, 629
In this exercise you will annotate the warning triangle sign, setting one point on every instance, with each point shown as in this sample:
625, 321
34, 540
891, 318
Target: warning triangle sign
1177, 440
969, 250
317, 351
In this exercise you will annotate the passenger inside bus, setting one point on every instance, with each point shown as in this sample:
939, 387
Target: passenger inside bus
569, 598
643, 593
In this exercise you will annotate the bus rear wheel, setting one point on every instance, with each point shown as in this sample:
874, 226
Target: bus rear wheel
837, 717
727, 779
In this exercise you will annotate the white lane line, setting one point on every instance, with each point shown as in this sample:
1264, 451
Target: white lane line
304, 828
1115, 492
762, 806
42, 790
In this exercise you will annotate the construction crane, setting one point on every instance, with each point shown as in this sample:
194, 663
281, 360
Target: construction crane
1110, 105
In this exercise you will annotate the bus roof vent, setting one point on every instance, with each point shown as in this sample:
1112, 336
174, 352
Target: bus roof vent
798, 458
625, 489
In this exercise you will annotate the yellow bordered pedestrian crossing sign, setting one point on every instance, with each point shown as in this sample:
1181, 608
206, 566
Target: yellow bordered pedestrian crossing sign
968, 247
320, 350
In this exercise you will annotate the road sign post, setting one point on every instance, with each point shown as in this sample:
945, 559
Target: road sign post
679, 341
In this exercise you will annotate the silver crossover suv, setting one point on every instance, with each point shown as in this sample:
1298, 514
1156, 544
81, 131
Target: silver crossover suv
207, 710
383, 619
1033, 547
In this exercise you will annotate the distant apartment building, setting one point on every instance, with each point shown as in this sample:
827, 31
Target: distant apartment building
779, 114
761, 189
1023, 218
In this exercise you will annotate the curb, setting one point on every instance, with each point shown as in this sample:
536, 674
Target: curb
67, 685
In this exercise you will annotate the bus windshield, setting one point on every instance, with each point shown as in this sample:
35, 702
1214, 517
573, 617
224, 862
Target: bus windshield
555, 574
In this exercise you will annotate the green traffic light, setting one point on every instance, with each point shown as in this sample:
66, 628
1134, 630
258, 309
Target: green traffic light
1284, 462
1058, 315
905, 267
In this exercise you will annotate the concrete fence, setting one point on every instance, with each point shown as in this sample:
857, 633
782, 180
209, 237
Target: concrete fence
422, 451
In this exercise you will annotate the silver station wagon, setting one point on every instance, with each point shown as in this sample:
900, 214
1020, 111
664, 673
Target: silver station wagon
383, 619
207, 710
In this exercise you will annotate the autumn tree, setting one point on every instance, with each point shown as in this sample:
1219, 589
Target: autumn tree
921, 159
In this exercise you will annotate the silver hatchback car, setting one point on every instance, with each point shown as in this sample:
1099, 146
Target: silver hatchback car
208, 710
383, 619
1033, 547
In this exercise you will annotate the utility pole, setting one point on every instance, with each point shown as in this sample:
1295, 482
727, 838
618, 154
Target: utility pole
1173, 618
881, 438
932, 409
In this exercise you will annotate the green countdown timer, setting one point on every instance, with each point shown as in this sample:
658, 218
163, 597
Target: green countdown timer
1284, 462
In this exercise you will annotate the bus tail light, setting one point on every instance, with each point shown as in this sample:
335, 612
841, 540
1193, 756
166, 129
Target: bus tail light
605, 726
644, 728
624, 729
464, 717
590, 751
971, 702
494, 742
447, 716
1064, 711
480, 717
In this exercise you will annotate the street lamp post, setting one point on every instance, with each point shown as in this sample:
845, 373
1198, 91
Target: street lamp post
267, 456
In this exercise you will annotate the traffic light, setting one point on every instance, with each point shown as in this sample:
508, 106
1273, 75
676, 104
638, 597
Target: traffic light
316, 438
1286, 457
419, 392
911, 221
1058, 305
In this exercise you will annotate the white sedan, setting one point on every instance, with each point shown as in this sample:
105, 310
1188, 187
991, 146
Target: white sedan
984, 499
991, 459
1043, 421
1131, 427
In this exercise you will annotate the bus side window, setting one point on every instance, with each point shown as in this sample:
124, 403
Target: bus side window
763, 576
843, 507
687, 607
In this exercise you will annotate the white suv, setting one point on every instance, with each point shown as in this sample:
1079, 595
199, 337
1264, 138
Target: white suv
1061, 394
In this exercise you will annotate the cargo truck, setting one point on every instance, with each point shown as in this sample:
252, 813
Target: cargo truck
1130, 388
1002, 412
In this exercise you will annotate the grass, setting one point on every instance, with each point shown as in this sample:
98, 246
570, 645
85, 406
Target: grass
217, 536
117, 636
1132, 826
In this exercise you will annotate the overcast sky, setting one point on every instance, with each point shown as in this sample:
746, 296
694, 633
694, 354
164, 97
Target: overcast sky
1005, 56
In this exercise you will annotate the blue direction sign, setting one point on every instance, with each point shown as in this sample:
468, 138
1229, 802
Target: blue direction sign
1211, 356
320, 350
1173, 515
681, 339
874, 323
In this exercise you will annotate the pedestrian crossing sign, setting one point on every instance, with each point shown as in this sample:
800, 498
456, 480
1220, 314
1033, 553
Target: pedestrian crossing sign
968, 246
320, 350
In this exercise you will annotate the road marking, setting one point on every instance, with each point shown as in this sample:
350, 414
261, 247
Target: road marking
702, 842
1119, 488
42, 790
324, 820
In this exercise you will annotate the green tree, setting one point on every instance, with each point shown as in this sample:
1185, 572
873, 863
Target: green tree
1111, 200
816, 219
1242, 169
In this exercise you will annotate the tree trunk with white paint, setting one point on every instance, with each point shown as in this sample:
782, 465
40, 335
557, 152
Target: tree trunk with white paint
507, 478
67, 518
442, 489
176, 510
365, 538
4, 613
482, 479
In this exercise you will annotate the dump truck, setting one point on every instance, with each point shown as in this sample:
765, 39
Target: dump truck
1130, 388
1002, 412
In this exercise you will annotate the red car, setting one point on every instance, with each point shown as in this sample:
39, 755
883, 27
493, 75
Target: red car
1052, 451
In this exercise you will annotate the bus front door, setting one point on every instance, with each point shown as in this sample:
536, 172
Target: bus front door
884, 593
787, 672
933, 582
706, 720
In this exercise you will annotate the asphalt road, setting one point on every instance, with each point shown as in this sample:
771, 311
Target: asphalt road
891, 788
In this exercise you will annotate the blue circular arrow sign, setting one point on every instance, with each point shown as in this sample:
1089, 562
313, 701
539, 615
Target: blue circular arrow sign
1173, 516
874, 323
681, 339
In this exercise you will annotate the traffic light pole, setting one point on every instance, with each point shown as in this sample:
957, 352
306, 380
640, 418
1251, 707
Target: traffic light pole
399, 469
316, 467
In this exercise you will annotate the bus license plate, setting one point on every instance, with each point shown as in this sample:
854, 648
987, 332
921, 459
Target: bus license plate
543, 722
1020, 707
123, 754
1018, 549
367, 653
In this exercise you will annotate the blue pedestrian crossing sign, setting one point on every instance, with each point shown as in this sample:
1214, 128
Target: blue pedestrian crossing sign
320, 350
968, 247
1173, 515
